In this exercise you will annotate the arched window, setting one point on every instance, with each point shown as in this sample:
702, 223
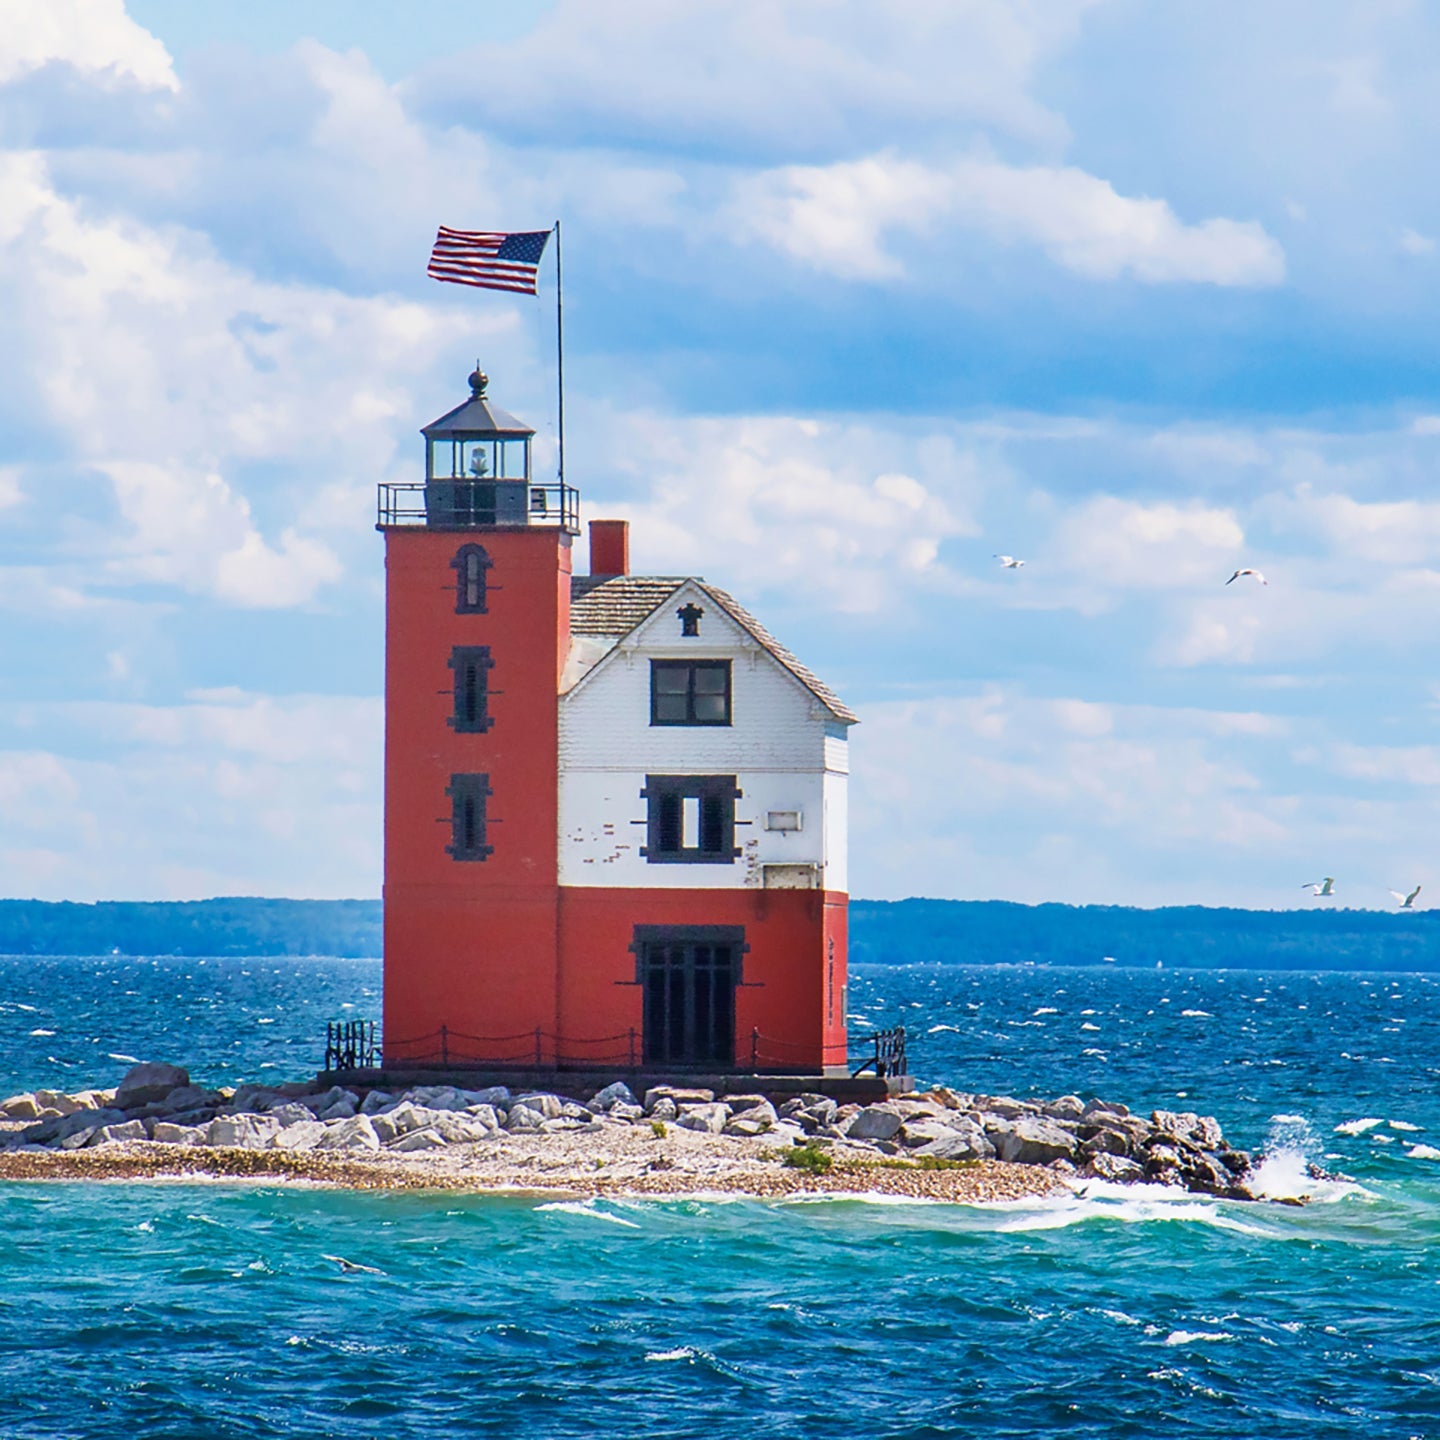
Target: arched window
470, 564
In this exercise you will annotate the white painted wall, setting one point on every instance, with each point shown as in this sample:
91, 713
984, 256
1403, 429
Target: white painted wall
785, 749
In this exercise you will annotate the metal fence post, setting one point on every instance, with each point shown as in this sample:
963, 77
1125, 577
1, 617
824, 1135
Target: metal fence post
755, 1050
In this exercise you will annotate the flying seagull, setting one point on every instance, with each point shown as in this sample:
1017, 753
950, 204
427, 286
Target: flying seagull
1247, 571
1009, 562
352, 1265
1322, 888
1407, 902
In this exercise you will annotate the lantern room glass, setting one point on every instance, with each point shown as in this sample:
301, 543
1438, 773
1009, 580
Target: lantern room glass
478, 458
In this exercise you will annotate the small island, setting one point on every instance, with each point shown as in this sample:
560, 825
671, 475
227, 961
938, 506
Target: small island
937, 1144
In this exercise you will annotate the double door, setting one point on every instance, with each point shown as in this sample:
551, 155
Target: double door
689, 975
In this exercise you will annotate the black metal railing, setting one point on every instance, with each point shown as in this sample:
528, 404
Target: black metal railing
478, 504
887, 1057
350, 1045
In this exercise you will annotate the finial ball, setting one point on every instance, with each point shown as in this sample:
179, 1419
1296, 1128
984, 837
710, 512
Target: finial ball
478, 380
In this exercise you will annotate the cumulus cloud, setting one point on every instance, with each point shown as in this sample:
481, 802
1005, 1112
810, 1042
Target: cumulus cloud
839, 217
1001, 783
226, 793
808, 76
96, 37
1147, 544
776, 504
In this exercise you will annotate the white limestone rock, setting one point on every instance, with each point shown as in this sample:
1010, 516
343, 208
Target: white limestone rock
299, 1135
617, 1094
355, 1133
875, 1122
244, 1132
149, 1082
427, 1138
290, 1113
20, 1107
341, 1109
550, 1106
522, 1117
111, 1134
377, 1101
166, 1133
708, 1117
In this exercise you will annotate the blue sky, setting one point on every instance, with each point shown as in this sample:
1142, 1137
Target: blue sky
857, 295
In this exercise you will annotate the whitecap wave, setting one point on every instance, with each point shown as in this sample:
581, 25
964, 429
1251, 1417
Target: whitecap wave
1197, 1014
46, 1033
1423, 1152
1192, 1337
587, 1208
1358, 1127
124, 1059
1405, 1125
682, 1352
1088, 1026
937, 1029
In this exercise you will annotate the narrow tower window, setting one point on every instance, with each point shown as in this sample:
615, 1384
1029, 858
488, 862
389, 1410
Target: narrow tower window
471, 664
470, 564
468, 795
690, 616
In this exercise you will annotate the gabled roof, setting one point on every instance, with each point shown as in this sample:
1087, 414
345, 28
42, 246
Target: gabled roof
615, 605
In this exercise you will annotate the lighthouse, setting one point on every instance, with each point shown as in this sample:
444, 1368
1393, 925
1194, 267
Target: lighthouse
615, 805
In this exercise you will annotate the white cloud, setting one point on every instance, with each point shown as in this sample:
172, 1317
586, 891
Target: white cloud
1412, 242
837, 218
1149, 545
232, 794
784, 504
95, 36
993, 786
167, 370
193, 531
805, 76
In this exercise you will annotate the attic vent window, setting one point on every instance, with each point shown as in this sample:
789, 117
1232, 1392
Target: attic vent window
690, 619
784, 820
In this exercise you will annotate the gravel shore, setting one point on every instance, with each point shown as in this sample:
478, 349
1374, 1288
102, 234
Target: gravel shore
576, 1165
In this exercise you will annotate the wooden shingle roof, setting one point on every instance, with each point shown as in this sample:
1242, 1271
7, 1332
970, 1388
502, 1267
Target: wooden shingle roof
616, 604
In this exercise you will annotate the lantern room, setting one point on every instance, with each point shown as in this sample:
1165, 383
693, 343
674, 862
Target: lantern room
478, 475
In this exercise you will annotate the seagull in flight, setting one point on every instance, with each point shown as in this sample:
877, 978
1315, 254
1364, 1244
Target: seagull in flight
1323, 889
1407, 902
1009, 562
1247, 571
352, 1266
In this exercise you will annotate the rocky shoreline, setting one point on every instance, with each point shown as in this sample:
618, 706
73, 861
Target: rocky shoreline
937, 1144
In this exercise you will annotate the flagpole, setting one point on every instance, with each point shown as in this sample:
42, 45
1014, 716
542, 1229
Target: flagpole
560, 357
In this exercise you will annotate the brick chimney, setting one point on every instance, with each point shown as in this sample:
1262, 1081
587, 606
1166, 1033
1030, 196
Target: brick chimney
609, 547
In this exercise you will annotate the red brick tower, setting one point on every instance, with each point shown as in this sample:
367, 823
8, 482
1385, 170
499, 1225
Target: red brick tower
477, 571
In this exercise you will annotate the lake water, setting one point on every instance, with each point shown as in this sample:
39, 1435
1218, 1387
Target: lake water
187, 1310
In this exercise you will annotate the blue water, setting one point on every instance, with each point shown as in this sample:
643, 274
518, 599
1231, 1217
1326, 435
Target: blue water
208, 1309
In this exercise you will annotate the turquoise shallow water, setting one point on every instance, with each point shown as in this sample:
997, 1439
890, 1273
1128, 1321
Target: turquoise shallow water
211, 1310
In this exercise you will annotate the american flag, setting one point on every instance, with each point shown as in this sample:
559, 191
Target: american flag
490, 260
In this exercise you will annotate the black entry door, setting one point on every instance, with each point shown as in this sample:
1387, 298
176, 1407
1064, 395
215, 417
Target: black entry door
689, 977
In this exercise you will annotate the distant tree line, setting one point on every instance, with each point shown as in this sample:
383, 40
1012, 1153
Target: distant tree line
973, 932
989, 932
241, 926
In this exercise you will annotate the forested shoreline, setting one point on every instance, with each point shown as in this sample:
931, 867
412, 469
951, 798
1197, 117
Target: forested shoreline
977, 932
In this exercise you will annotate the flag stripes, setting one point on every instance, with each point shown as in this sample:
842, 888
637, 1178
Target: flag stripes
488, 259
